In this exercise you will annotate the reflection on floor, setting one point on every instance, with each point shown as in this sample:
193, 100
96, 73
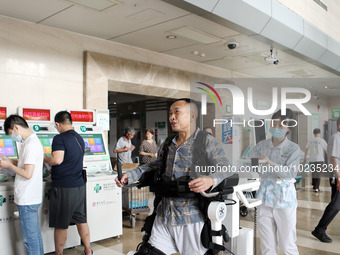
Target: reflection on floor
310, 209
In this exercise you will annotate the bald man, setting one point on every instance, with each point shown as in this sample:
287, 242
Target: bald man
179, 222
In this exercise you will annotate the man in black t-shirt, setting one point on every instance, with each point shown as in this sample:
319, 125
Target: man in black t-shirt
67, 198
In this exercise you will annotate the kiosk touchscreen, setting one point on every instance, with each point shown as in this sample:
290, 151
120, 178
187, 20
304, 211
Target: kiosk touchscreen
93, 144
97, 158
46, 141
8, 147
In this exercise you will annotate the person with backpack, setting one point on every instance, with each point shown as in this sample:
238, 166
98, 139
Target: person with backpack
178, 224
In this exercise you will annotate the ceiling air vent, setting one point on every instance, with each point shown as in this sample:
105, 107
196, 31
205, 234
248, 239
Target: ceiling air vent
321, 4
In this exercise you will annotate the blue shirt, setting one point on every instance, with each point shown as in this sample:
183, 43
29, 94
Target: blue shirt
184, 211
277, 188
69, 173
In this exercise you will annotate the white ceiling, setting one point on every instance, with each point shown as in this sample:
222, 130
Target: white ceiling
147, 23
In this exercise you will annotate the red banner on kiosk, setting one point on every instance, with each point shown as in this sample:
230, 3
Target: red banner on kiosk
36, 114
3, 113
81, 116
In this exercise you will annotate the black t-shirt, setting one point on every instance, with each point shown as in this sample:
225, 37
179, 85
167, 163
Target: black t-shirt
69, 173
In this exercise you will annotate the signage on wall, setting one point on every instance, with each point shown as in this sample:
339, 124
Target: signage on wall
35, 114
335, 113
161, 128
103, 119
227, 133
228, 108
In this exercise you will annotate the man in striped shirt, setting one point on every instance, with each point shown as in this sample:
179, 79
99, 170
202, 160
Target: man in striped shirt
180, 217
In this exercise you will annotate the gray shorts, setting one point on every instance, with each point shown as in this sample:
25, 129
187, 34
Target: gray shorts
67, 207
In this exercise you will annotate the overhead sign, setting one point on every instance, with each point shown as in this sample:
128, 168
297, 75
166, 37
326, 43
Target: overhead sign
35, 114
82, 116
3, 113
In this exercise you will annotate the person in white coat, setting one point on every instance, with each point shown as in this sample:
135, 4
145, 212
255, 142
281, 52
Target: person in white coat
277, 214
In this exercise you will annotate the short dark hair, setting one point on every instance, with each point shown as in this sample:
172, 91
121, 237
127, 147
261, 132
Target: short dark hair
192, 101
149, 130
14, 120
63, 117
285, 118
316, 131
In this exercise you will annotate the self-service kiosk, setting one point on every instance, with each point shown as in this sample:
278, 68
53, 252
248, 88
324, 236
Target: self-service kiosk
103, 197
39, 120
9, 221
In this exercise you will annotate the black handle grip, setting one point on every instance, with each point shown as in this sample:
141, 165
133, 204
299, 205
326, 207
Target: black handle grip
119, 170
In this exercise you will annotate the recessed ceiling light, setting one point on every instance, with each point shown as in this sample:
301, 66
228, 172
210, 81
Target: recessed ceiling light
195, 35
98, 5
171, 36
326, 87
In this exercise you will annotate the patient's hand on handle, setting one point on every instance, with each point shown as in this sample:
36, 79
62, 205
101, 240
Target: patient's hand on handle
123, 180
200, 184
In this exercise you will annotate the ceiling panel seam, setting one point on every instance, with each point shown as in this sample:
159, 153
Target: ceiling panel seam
215, 6
54, 14
150, 26
181, 47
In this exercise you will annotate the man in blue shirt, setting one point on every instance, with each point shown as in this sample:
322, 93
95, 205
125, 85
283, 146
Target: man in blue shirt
67, 198
179, 222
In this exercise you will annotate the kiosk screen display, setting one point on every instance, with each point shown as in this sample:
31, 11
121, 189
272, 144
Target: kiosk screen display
46, 141
93, 144
8, 147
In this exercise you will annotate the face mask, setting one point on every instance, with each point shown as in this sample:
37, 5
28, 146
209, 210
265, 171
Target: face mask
17, 138
277, 132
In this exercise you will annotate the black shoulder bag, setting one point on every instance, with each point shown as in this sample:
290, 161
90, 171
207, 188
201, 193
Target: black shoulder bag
83, 170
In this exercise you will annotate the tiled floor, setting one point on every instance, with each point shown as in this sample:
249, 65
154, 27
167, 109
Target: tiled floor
310, 209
